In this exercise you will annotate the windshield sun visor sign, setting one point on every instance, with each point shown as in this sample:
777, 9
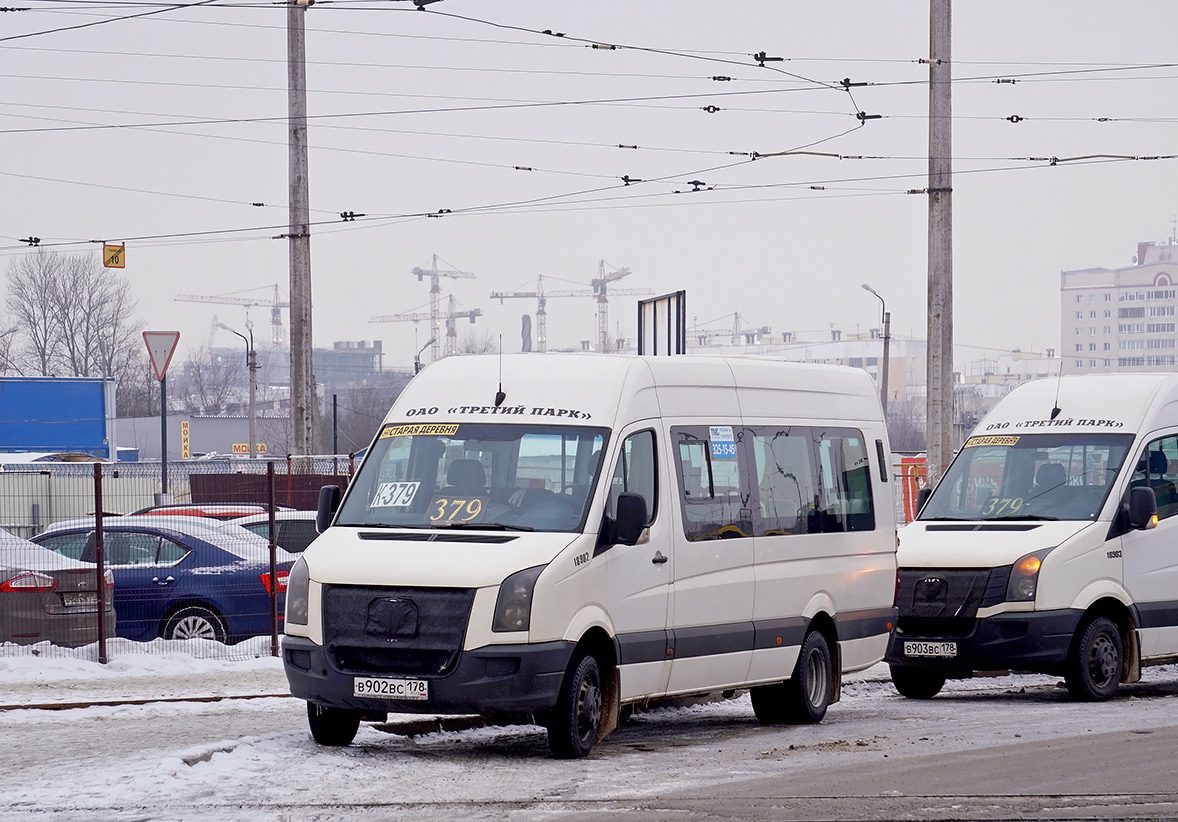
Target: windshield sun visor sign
974, 442
722, 441
421, 429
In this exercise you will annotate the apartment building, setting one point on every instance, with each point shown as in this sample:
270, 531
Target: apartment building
1121, 319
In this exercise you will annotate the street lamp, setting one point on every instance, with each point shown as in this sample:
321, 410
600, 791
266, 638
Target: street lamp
417, 356
251, 362
887, 338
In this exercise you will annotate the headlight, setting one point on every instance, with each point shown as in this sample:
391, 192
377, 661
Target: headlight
513, 608
1024, 577
298, 592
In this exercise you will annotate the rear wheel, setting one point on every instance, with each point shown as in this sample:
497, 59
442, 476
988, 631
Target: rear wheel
805, 697
1096, 662
195, 622
576, 719
332, 726
917, 683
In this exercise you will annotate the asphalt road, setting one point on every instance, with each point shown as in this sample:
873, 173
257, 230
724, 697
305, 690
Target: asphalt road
1002, 748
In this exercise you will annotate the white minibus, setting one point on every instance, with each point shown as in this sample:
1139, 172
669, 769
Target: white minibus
563, 537
1041, 548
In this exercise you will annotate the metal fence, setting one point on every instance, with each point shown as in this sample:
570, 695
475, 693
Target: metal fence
94, 553
96, 560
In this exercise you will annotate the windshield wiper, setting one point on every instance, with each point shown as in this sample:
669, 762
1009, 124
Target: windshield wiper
1020, 516
480, 526
381, 525
944, 519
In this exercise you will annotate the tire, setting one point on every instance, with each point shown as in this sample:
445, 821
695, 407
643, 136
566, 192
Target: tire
195, 622
1097, 660
917, 683
802, 700
335, 727
575, 721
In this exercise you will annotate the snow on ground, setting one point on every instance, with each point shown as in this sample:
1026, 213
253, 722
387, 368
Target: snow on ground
199, 760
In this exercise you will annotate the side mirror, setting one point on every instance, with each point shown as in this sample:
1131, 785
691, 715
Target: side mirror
1143, 509
921, 498
632, 518
329, 497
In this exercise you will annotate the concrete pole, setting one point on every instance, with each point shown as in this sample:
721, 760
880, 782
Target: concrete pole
252, 361
302, 377
940, 244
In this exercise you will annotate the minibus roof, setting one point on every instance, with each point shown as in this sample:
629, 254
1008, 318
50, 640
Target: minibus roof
1097, 403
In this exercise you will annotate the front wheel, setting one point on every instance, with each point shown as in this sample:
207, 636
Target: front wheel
195, 622
576, 720
917, 683
1095, 665
335, 727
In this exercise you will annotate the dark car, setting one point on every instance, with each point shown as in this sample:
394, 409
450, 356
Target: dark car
295, 529
181, 577
45, 597
213, 510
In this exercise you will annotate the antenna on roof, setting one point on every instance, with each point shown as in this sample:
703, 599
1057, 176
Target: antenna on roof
499, 395
1058, 380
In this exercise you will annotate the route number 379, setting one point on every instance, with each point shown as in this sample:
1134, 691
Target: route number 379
997, 506
455, 509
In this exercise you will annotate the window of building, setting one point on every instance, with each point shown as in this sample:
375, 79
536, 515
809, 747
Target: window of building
1091, 346
1131, 345
1130, 362
1079, 298
1108, 363
1108, 298
1079, 363
1131, 313
1155, 345
1159, 328
1079, 346
1108, 346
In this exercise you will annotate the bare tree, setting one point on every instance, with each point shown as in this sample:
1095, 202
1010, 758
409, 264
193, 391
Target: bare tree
475, 343
32, 287
906, 429
77, 318
361, 409
208, 382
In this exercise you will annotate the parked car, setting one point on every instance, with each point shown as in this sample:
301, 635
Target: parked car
45, 597
180, 577
296, 529
213, 510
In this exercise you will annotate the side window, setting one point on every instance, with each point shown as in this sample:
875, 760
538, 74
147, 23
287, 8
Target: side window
636, 472
845, 502
1157, 468
171, 552
68, 545
786, 488
131, 548
713, 487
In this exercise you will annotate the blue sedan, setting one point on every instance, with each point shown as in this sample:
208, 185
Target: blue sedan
180, 578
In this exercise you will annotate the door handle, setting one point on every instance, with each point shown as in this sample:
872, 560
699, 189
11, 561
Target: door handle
658, 558
167, 581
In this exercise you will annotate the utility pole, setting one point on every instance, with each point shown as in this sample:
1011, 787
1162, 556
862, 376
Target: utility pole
302, 377
939, 388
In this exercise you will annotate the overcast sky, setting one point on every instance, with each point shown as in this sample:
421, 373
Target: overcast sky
417, 111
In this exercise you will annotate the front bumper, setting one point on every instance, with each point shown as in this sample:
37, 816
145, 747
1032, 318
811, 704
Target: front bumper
1036, 641
495, 679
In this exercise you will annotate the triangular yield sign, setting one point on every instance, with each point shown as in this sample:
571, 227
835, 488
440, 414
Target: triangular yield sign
160, 347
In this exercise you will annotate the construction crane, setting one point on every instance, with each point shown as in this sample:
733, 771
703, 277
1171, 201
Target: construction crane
277, 336
541, 297
600, 287
435, 290
598, 292
452, 317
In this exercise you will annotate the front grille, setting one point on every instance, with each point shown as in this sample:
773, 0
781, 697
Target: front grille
396, 631
945, 601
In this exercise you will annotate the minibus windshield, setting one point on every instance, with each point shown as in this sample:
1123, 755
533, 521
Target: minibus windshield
497, 476
1029, 477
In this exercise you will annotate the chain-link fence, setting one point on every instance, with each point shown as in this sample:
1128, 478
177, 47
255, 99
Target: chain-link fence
89, 553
